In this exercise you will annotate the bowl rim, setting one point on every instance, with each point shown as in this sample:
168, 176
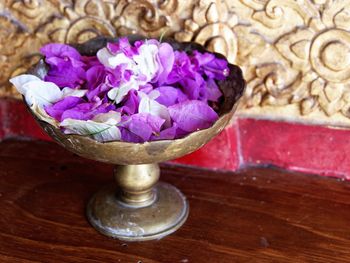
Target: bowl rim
86, 137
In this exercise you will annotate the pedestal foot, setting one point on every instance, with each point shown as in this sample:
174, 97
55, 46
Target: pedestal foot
117, 219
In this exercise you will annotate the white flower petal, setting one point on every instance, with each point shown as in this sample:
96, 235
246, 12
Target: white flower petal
43, 93
73, 92
38, 93
146, 60
142, 95
152, 107
99, 131
21, 80
111, 118
112, 61
103, 56
36, 90
121, 58
118, 94
154, 94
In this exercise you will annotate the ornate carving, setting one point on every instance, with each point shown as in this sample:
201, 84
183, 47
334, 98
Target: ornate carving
212, 25
295, 54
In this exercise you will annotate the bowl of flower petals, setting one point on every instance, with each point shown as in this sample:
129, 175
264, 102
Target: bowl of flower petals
132, 102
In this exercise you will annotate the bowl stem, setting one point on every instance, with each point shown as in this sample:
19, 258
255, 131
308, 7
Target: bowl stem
136, 183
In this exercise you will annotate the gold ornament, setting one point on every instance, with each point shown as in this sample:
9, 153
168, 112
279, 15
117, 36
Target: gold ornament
295, 54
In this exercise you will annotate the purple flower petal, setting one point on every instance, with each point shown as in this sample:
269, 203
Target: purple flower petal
166, 59
195, 87
182, 68
64, 52
56, 110
90, 61
217, 69
146, 88
66, 77
122, 45
170, 95
100, 80
166, 134
212, 66
87, 110
95, 76
200, 59
140, 127
130, 103
193, 115
213, 91
66, 67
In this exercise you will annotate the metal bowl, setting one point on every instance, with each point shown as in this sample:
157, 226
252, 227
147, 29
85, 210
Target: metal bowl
139, 208
124, 153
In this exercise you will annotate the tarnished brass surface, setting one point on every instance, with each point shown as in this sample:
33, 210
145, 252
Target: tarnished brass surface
136, 183
137, 210
163, 217
136, 153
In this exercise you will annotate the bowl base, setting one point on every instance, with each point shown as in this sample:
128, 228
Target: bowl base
116, 219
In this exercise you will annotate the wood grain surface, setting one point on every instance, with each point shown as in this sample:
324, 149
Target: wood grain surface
256, 215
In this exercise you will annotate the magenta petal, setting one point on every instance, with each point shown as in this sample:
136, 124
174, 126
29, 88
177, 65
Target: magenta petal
66, 77
210, 65
95, 76
135, 133
87, 110
182, 68
166, 134
140, 127
213, 91
170, 95
100, 80
66, 68
130, 103
90, 61
123, 45
79, 112
194, 88
60, 50
60, 55
98, 92
147, 88
217, 69
193, 115
166, 58
56, 110
200, 59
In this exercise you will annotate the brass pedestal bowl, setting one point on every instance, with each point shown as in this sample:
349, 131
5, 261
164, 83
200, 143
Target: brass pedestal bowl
139, 207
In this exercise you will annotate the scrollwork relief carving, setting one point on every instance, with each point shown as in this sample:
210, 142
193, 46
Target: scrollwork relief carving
295, 54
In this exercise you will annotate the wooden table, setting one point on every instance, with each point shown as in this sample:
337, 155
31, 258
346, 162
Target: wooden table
256, 215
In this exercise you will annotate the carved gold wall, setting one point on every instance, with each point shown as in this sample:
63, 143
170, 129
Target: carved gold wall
295, 53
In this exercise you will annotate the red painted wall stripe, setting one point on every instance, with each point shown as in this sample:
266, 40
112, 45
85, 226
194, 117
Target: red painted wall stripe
219, 153
16, 121
308, 148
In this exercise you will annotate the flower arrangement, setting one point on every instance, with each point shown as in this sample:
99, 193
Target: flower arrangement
132, 92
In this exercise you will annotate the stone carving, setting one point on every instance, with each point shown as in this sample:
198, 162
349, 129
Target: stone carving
295, 54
